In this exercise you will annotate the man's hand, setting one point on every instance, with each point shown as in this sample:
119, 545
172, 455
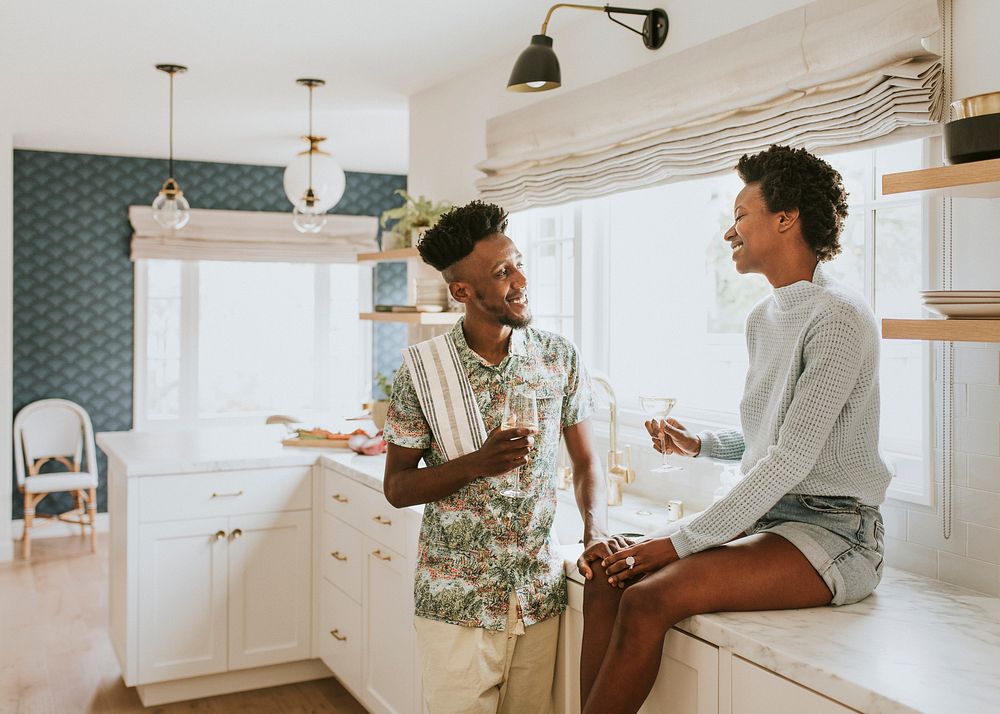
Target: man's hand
671, 437
504, 450
647, 557
599, 549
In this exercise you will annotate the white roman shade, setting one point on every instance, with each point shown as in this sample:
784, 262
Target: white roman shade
251, 236
832, 73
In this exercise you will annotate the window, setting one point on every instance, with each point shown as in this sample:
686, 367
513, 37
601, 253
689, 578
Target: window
230, 343
661, 310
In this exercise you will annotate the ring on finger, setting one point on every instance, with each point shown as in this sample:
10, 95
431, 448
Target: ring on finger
630, 561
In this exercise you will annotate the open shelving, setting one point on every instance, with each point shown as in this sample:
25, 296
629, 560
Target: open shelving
414, 318
976, 179
941, 329
384, 255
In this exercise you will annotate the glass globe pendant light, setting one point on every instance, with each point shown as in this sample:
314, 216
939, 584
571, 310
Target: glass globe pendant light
170, 209
313, 181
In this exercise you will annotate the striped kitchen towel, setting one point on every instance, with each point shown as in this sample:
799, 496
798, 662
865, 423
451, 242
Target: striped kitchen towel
446, 396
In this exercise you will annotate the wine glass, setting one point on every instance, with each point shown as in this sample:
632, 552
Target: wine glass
659, 408
520, 412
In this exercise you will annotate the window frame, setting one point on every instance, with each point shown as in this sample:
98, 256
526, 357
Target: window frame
188, 372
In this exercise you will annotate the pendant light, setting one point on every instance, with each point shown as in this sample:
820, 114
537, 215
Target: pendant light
170, 209
313, 181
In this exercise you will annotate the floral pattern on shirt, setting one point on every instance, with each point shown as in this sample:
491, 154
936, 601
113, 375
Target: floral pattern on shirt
477, 545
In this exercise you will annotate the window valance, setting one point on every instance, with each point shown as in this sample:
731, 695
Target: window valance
833, 73
251, 236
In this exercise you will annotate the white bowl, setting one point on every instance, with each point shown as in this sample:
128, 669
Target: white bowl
981, 311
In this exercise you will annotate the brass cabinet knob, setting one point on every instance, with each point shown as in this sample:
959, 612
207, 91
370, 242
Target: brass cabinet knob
338, 555
237, 533
219, 535
380, 555
383, 521
232, 494
338, 498
337, 636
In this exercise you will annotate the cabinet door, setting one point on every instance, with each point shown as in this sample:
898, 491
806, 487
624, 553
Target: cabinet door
689, 677
270, 581
567, 681
756, 689
390, 670
182, 599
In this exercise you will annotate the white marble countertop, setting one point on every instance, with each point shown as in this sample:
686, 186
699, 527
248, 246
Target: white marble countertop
916, 645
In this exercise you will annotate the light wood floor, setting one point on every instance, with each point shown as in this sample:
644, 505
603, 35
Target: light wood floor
55, 654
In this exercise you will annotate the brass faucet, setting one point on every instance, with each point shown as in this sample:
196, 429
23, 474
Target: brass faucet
617, 474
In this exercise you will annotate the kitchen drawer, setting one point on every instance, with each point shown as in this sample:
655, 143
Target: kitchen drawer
224, 493
367, 510
341, 556
345, 498
756, 689
340, 636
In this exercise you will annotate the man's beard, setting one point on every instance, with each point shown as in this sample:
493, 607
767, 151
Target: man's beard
516, 323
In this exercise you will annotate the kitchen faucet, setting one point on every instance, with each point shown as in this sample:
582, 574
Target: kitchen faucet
617, 474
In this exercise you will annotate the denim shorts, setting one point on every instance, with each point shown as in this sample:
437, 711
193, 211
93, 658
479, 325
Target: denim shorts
842, 539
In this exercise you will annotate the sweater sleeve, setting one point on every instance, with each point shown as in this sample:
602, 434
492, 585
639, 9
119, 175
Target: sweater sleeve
833, 353
725, 444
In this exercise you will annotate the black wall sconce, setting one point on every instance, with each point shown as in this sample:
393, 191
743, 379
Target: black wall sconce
537, 68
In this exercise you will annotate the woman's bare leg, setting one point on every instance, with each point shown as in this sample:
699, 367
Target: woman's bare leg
761, 572
600, 609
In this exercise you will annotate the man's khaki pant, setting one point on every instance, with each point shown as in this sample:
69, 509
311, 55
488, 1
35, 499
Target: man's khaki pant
470, 670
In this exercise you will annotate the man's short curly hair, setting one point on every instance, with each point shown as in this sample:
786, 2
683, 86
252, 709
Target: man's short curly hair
455, 235
795, 179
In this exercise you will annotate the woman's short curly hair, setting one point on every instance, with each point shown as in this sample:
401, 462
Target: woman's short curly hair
456, 233
795, 179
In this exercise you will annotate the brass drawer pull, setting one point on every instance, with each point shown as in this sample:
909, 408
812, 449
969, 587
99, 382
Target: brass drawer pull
380, 555
338, 498
337, 636
383, 521
237, 533
219, 535
227, 495
338, 555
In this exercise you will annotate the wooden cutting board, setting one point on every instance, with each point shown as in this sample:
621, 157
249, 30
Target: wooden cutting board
317, 443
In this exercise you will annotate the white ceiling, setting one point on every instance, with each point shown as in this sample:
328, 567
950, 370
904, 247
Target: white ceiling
81, 73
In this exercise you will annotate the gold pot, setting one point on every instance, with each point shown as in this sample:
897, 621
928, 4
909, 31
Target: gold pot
977, 105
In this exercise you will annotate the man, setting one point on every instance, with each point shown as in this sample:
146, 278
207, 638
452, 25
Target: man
489, 582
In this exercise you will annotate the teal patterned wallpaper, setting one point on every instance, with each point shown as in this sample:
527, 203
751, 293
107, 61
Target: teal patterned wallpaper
73, 290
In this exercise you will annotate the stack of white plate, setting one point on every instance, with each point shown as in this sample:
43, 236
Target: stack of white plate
431, 291
970, 304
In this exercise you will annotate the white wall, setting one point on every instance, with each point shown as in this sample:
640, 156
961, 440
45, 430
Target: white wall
447, 139
6, 332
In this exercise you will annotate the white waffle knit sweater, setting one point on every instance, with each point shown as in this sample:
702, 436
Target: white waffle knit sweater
810, 410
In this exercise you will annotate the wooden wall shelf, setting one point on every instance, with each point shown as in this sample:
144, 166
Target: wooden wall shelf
414, 318
977, 179
383, 255
940, 329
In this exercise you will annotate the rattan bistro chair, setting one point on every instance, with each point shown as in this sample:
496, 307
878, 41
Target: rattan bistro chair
56, 430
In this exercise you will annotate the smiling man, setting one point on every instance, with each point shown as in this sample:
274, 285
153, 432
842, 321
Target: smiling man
489, 582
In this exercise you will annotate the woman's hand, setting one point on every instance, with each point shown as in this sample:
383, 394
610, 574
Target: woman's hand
671, 437
649, 556
599, 549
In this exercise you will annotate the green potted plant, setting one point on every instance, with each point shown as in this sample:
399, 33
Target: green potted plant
380, 402
414, 217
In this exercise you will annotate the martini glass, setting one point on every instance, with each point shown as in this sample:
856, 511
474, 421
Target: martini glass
658, 408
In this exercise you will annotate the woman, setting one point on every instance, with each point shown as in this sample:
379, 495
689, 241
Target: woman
802, 528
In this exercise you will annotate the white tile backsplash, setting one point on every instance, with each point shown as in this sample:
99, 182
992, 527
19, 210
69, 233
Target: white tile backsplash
976, 366
925, 529
977, 436
969, 573
975, 506
912, 557
983, 402
984, 473
984, 543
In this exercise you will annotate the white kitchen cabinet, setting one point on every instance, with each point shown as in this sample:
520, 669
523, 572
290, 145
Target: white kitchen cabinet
269, 588
255, 567
183, 580
688, 682
755, 689
366, 556
390, 655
